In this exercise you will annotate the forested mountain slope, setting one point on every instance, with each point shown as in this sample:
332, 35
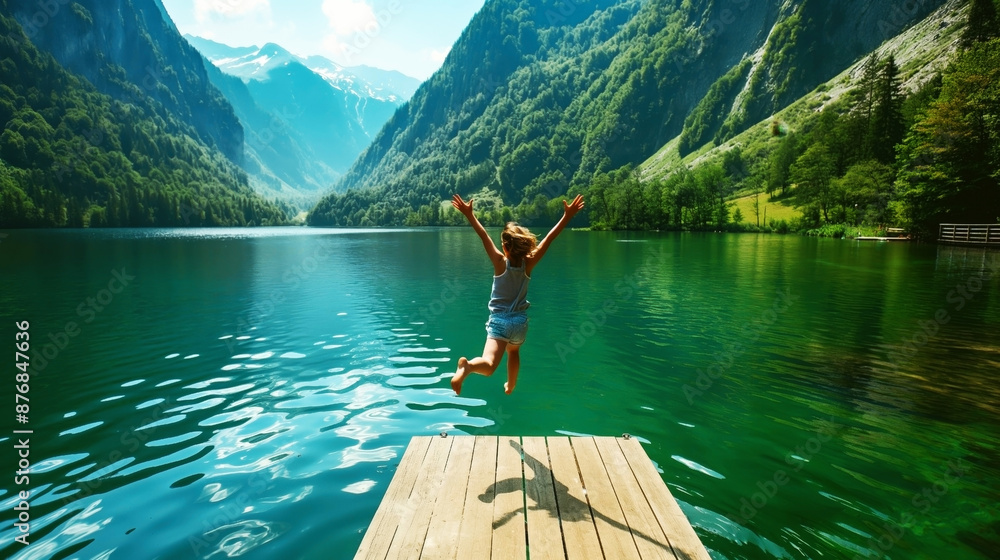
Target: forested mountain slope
72, 156
130, 51
906, 137
537, 97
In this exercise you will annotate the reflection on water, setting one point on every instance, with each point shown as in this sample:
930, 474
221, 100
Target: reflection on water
250, 392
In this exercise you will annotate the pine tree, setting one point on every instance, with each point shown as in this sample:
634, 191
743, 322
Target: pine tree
813, 172
863, 112
780, 159
982, 24
887, 116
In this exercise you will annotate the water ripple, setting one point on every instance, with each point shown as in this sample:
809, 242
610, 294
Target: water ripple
81, 429
162, 422
696, 467
172, 440
174, 459
239, 538
53, 463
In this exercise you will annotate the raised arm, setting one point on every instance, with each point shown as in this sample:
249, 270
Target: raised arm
496, 257
569, 210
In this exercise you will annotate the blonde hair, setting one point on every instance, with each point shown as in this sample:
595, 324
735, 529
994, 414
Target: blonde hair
518, 242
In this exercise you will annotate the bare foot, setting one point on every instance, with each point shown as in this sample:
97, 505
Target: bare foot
460, 374
508, 387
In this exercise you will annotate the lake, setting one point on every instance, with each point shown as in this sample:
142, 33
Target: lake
249, 392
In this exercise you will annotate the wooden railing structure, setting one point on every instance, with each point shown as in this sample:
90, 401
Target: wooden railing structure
973, 234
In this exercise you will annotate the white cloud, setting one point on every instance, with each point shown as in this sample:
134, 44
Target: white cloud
437, 56
348, 17
204, 9
338, 49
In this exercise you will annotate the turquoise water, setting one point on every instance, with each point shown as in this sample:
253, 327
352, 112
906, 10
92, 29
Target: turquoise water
249, 393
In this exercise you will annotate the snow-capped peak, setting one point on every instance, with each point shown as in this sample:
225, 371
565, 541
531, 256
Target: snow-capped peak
252, 63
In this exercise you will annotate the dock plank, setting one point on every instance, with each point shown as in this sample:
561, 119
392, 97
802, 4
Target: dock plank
544, 535
578, 529
443, 531
409, 539
387, 518
509, 539
642, 523
616, 539
476, 537
672, 521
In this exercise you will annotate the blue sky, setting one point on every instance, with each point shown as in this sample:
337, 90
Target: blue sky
412, 36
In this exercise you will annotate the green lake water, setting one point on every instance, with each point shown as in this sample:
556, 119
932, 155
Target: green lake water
249, 393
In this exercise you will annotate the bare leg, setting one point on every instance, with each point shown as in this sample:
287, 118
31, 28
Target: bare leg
484, 365
460, 374
513, 365
490, 360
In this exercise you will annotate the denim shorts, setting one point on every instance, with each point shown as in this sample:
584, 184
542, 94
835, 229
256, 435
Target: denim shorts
510, 327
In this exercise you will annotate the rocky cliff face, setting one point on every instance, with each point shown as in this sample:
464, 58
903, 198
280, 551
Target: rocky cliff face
819, 38
129, 51
792, 47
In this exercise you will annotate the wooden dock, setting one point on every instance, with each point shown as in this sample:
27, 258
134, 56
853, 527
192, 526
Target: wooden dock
869, 238
478, 497
895, 234
969, 234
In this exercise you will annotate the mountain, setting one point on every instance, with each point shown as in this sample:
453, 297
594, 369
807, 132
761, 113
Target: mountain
306, 119
255, 64
215, 51
921, 51
374, 93
535, 99
381, 84
128, 50
249, 63
73, 156
278, 160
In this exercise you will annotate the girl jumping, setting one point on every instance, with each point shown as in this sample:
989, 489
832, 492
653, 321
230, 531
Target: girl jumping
508, 322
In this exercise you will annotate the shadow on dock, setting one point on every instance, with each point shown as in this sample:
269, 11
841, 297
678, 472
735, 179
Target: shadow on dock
567, 511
